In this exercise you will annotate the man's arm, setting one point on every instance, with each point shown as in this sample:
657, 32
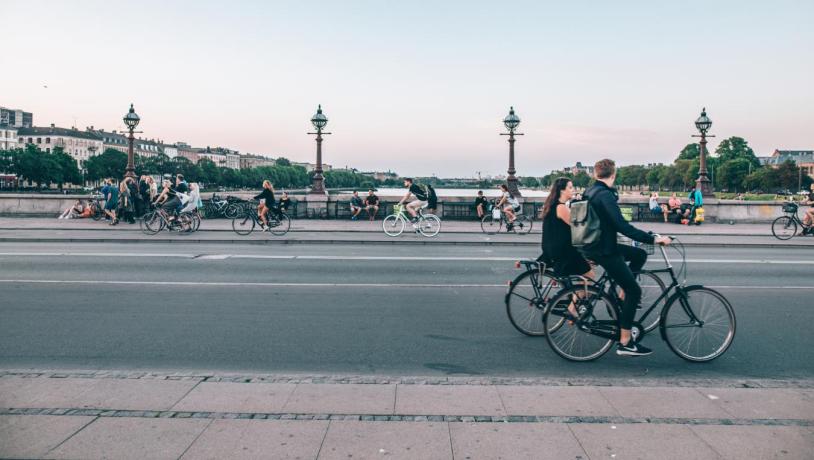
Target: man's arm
406, 197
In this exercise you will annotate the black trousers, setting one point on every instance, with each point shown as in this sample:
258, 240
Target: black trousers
622, 273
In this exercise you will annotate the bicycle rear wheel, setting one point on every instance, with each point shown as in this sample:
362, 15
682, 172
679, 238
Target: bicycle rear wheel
429, 225
393, 225
592, 335
151, 223
522, 224
784, 228
525, 302
243, 225
280, 225
652, 287
490, 225
701, 328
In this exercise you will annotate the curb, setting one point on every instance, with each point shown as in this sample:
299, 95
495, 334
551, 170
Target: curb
364, 242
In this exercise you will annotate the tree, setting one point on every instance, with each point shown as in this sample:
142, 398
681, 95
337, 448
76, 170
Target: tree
530, 182
65, 169
689, 152
731, 174
282, 161
110, 163
35, 165
734, 148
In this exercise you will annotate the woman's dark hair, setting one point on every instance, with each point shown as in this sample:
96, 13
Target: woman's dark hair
554, 194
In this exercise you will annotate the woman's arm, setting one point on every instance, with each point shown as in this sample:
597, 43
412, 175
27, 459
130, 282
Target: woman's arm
563, 213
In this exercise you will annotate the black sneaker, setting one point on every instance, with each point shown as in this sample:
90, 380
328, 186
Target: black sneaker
632, 349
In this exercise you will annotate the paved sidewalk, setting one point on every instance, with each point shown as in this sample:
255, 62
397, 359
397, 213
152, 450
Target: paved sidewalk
140, 415
361, 232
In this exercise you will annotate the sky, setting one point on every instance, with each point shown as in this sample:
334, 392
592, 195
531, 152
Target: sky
421, 87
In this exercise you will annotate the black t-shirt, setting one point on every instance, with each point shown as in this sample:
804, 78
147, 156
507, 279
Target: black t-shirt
418, 191
182, 187
481, 200
811, 198
285, 202
372, 200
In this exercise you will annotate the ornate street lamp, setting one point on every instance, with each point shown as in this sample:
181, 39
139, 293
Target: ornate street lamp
319, 120
703, 123
131, 120
512, 121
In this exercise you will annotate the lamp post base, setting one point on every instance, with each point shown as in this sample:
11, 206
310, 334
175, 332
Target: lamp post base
514, 187
705, 186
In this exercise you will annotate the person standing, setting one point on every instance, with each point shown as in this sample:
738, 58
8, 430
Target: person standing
112, 202
126, 207
619, 261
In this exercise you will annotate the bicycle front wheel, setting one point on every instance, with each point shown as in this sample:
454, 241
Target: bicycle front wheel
243, 225
784, 228
233, 211
528, 295
592, 335
699, 328
429, 225
490, 225
393, 225
522, 225
151, 223
280, 225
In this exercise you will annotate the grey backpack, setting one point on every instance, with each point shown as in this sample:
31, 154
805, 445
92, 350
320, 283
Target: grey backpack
585, 227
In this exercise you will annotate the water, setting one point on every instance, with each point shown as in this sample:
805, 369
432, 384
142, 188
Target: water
454, 192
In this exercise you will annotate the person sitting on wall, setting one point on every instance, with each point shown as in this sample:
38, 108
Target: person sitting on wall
356, 206
480, 204
372, 204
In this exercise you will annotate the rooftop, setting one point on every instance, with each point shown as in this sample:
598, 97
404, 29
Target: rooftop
56, 131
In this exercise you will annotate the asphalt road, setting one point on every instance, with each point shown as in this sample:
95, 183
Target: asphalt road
403, 310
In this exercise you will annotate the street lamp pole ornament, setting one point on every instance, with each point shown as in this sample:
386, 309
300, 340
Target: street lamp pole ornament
703, 124
131, 120
512, 121
319, 120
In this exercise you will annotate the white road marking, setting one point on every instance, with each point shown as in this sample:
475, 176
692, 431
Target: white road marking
354, 285
371, 258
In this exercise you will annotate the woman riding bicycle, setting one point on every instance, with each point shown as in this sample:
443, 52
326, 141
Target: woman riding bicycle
510, 206
557, 248
266, 197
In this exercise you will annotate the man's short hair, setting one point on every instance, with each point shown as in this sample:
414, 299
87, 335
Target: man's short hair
604, 168
180, 176
408, 179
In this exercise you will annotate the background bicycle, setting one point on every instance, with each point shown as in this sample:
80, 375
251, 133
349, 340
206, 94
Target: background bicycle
157, 220
495, 219
248, 220
427, 224
785, 227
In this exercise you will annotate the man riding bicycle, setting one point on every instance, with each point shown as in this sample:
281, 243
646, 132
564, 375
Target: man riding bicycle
603, 199
420, 194
808, 217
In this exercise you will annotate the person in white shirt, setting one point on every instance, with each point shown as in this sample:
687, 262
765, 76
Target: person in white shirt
191, 199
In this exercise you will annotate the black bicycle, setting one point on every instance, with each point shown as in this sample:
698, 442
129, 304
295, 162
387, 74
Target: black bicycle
785, 227
278, 222
531, 291
495, 219
698, 323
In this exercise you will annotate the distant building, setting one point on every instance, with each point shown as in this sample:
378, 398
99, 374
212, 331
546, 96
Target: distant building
147, 148
381, 176
312, 166
111, 140
16, 118
184, 150
579, 168
81, 145
8, 137
249, 161
804, 159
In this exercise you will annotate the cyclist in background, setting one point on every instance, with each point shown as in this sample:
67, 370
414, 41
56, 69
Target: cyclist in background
808, 217
266, 197
603, 199
420, 194
510, 206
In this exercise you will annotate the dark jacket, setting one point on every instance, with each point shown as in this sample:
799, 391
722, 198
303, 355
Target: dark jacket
604, 201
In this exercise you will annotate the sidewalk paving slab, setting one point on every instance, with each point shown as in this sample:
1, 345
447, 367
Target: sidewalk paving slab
662, 402
764, 403
741, 442
641, 441
449, 400
124, 394
514, 441
390, 440
131, 438
251, 439
236, 397
342, 399
554, 401
33, 436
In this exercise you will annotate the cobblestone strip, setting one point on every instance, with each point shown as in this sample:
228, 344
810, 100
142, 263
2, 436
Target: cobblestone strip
410, 380
407, 418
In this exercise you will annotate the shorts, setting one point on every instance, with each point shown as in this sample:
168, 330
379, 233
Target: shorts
656, 211
417, 204
111, 205
574, 264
